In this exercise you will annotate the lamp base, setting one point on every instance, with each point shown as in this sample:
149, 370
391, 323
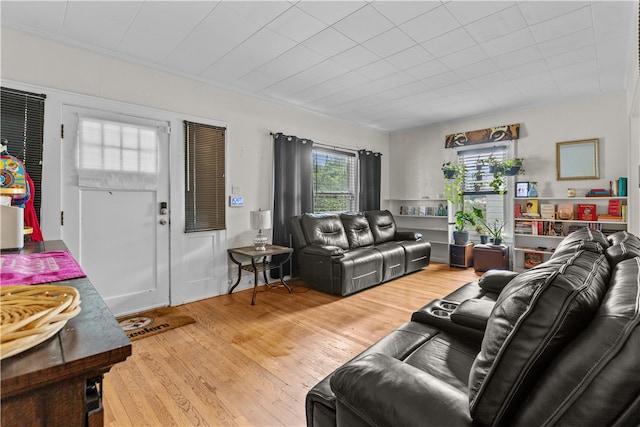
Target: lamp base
260, 242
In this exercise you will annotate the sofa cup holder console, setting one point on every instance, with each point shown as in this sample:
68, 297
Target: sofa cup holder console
442, 308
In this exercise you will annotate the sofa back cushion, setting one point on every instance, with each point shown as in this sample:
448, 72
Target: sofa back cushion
357, 229
623, 246
383, 226
595, 381
324, 229
582, 239
535, 316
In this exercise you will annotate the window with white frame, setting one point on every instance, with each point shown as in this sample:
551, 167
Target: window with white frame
334, 181
477, 189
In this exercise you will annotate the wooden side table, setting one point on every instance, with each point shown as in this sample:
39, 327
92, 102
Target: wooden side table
257, 266
461, 255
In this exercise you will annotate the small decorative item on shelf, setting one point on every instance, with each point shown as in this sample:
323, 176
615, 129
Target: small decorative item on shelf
533, 191
531, 259
587, 212
565, 211
598, 192
571, 192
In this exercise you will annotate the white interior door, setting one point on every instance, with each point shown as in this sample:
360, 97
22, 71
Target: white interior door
115, 199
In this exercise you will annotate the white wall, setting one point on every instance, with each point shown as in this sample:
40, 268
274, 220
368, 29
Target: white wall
421, 151
61, 68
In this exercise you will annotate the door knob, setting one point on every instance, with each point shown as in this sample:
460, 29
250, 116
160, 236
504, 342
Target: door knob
163, 222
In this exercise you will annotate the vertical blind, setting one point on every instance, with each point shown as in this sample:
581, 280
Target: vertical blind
22, 124
478, 177
204, 177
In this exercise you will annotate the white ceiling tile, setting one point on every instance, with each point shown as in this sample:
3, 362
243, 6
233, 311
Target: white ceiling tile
294, 60
46, 16
256, 81
316, 92
469, 11
150, 46
329, 69
538, 11
562, 25
477, 69
442, 80
464, 57
101, 23
518, 40
395, 80
389, 43
363, 24
355, 57
488, 80
572, 57
499, 24
329, 42
612, 19
430, 25
448, 43
428, 69
521, 70
330, 13
351, 79
400, 12
258, 12
567, 42
411, 57
296, 24
377, 69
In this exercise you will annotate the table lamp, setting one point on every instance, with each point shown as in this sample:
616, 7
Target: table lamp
260, 220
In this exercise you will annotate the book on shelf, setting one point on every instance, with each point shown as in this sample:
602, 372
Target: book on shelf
614, 207
587, 212
531, 259
547, 211
532, 206
609, 217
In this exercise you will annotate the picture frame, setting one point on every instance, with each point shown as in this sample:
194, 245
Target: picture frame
522, 189
577, 160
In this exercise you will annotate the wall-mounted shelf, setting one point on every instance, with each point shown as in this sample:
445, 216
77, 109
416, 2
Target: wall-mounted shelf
434, 228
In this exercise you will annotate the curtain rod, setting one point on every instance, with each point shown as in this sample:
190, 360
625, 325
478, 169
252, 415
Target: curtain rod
328, 144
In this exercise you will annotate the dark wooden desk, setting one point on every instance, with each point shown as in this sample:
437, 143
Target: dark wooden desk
59, 382
264, 265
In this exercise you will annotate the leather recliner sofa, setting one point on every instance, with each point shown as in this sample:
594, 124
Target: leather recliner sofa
346, 253
558, 344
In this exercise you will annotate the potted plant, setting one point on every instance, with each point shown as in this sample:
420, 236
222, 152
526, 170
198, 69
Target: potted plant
502, 169
512, 167
449, 170
480, 228
460, 234
495, 231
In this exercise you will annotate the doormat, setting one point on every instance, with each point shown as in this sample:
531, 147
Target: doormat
153, 322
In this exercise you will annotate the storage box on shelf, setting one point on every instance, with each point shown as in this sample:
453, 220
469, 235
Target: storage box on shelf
426, 216
536, 234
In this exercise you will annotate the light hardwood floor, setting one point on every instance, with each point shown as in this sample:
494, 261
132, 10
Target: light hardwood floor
243, 365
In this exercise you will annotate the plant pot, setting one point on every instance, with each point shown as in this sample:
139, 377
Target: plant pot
449, 174
512, 171
484, 239
497, 241
460, 237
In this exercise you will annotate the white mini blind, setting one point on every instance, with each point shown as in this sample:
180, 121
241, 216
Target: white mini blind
473, 183
117, 155
334, 181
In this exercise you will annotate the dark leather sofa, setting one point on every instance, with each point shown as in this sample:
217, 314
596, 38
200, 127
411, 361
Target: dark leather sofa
346, 253
558, 344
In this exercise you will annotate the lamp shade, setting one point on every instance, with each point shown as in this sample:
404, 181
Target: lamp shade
260, 220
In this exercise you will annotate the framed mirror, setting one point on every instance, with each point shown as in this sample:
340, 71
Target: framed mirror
577, 160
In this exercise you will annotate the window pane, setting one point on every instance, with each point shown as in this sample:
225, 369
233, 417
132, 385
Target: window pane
334, 182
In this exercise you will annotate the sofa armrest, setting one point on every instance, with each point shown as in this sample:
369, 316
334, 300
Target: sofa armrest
473, 313
323, 250
382, 390
407, 235
495, 280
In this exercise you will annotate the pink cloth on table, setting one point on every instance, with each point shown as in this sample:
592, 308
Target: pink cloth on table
43, 267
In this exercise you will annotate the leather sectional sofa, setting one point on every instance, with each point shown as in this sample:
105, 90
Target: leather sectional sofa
346, 253
558, 344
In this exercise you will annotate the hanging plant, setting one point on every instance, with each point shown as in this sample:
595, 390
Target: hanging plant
449, 170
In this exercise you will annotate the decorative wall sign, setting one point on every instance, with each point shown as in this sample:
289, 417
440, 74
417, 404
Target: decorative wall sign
494, 134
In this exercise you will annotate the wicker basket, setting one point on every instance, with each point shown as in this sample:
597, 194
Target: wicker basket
31, 314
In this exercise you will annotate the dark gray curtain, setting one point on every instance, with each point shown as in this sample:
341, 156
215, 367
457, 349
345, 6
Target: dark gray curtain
370, 166
292, 189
